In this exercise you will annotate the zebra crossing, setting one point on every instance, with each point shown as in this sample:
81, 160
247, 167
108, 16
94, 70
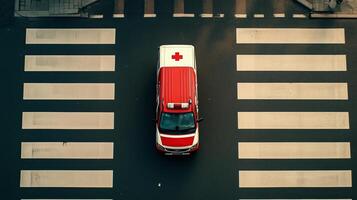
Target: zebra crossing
209, 9
308, 121
49, 120
278, 9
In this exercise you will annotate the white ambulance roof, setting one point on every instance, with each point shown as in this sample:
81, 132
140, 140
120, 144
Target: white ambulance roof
177, 56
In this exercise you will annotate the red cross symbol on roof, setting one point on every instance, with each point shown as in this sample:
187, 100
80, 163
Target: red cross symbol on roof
177, 56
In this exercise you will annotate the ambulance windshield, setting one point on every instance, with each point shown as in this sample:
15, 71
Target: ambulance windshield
177, 123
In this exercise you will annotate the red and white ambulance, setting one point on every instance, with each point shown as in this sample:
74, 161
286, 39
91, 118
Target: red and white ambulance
177, 117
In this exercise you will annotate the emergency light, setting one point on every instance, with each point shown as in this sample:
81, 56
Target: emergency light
177, 105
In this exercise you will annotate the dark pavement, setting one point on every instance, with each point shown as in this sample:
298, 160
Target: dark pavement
139, 171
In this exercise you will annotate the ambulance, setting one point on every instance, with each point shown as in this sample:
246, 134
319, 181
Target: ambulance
177, 118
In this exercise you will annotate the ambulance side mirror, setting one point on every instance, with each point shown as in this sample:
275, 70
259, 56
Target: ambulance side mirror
200, 120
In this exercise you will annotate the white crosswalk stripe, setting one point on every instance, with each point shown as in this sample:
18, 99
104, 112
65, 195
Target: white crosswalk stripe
293, 120
67, 150
308, 91
67, 178
258, 15
68, 120
299, 16
291, 63
290, 36
297, 179
70, 36
69, 91
55, 63
294, 150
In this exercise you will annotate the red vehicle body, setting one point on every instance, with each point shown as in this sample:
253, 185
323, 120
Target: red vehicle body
177, 103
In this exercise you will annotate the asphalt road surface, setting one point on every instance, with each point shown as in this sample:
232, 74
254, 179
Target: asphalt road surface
293, 117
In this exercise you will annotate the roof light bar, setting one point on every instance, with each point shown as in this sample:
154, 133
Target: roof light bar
170, 105
184, 105
177, 105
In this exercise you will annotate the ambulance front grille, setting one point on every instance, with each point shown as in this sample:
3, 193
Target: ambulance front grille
177, 150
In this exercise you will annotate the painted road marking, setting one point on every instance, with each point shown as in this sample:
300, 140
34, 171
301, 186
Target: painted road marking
291, 63
293, 120
96, 16
69, 91
290, 36
179, 9
221, 15
149, 15
70, 36
206, 15
67, 150
279, 15
67, 178
309, 91
67, 120
298, 179
240, 15
299, 16
183, 15
294, 150
258, 15
69, 63
115, 15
